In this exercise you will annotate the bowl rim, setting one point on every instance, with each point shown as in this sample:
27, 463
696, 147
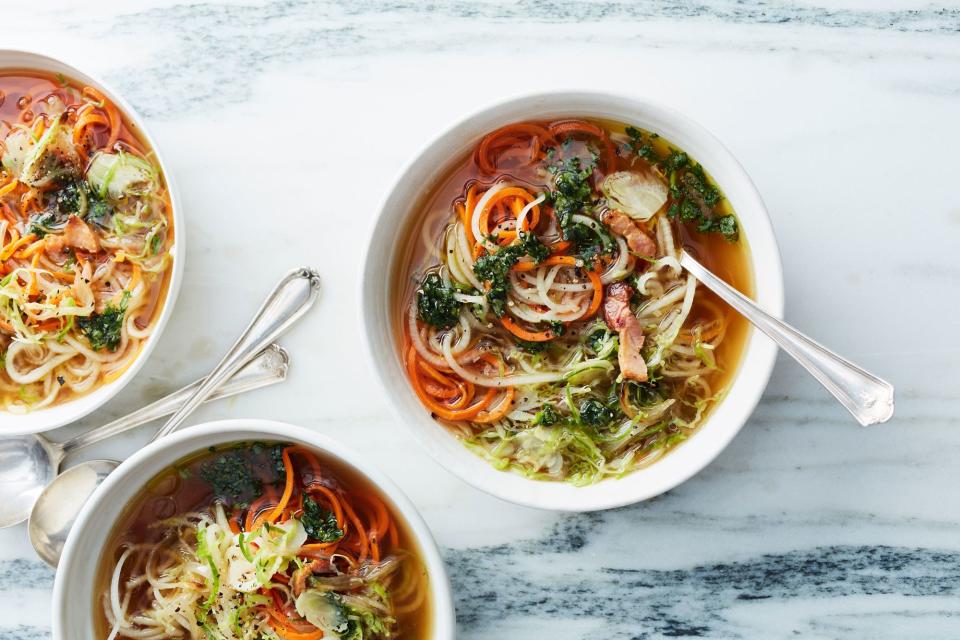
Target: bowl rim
761, 352
60, 414
193, 439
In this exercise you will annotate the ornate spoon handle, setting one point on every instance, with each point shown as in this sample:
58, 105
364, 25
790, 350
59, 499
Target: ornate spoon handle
268, 367
867, 397
289, 300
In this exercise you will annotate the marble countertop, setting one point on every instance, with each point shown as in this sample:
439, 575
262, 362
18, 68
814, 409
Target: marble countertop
283, 119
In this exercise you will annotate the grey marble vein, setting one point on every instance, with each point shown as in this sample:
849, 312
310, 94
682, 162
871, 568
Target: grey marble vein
496, 588
25, 632
191, 71
20, 573
697, 601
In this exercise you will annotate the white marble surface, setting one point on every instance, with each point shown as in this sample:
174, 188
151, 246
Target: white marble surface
285, 122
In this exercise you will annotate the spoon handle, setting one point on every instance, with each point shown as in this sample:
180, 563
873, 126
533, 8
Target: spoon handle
288, 301
268, 367
867, 397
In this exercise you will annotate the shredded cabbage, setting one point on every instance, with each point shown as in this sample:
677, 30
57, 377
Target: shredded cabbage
121, 174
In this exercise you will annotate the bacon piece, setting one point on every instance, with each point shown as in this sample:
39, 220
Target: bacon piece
79, 235
637, 239
616, 307
76, 234
619, 317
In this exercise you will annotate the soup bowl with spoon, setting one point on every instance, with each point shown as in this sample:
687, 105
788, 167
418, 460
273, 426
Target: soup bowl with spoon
389, 282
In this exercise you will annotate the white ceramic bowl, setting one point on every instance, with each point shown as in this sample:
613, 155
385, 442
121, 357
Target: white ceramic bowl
67, 412
73, 605
379, 313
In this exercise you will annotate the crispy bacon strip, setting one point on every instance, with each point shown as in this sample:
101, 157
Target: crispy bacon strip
637, 239
619, 317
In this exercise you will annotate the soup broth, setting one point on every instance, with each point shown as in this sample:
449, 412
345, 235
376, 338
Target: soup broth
543, 315
220, 545
86, 230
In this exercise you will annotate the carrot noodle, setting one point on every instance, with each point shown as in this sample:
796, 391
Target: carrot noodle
113, 115
508, 136
332, 501
287, 490
258, 513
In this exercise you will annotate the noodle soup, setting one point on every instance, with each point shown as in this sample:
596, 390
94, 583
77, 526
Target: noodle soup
261, 540
86, 232
545, 319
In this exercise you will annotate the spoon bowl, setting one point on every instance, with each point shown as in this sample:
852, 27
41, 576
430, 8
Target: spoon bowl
27, 465
58, 505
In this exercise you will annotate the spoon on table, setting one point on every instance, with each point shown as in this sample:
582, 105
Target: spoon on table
29, 463
867, 397
57, 507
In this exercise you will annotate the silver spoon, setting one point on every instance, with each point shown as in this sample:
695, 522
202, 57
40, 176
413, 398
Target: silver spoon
29, 463
59, 504
867, 397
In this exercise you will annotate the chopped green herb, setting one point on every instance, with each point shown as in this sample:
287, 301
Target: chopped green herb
594, 413
547, 416
436, 304
531, 347
232, 478
694, 196
103, 329
321, 525
573, 195
494, 268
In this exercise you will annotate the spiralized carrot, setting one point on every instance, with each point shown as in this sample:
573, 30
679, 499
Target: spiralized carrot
527, 265
34, 287
508, 136
8, 213
469, 206
87, 118
501, 410
288, 633
332, 500
530, 336
447, 387
257, 512
11, 248
363, 542
510, 192
437, 390
287, 488
414, 364
314, 464
32, 249
10, 186
113, 115
597, 294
